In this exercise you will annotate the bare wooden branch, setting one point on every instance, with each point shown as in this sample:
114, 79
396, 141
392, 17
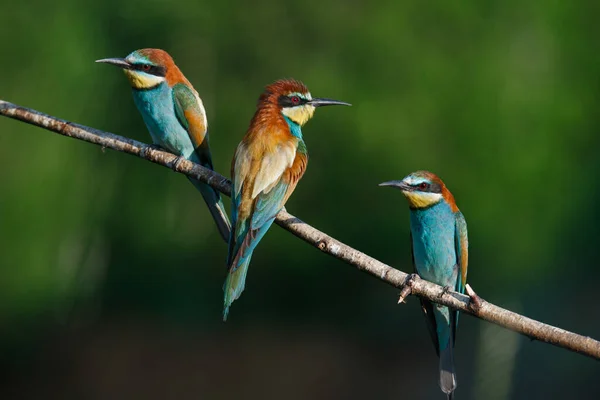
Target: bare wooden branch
478, 307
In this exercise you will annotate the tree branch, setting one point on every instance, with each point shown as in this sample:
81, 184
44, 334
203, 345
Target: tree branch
477, 307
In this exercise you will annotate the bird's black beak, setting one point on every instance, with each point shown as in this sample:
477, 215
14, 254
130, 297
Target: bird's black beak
117, 62
327, 102
399, 184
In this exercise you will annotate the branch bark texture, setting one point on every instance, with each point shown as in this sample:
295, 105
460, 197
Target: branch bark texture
327, 244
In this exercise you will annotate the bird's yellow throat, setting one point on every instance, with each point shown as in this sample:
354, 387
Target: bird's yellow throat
140, 80
301, 114
421, 200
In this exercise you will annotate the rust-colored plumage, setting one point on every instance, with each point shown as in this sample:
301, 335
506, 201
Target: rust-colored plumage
268, 117
164, 59
268, 138
270, 95
268, 164
446, 194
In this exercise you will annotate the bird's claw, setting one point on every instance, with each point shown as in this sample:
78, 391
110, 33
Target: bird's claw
406, 288
177, 162
155, 146
446, 290
475, 300
145, 149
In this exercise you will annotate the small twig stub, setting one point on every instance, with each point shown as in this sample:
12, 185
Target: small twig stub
475, 301
406, 288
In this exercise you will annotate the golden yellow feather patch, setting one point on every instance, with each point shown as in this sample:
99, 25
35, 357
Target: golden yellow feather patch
140, 80
300, 114
421, 200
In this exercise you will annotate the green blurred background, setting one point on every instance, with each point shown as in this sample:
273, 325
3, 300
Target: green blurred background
111, 269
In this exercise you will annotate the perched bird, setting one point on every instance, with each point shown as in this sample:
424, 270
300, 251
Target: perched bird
174, 114
440, 255
268, 163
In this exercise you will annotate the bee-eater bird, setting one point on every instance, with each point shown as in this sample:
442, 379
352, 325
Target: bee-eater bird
440, 255
268, 163
174, 114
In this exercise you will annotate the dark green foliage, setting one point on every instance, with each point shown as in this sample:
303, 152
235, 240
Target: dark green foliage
500, 99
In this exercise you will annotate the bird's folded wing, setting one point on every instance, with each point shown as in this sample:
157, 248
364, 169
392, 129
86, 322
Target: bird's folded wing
266, 207
272, 167
265, 193
461, 242
269, 204
191, 115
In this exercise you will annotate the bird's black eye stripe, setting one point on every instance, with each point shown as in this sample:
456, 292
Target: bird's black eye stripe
150, 69
435, 188
428, 187
291, 101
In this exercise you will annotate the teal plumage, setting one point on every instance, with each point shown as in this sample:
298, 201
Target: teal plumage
440, 255
174, 115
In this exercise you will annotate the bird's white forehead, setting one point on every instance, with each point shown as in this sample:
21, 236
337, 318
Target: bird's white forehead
414, 180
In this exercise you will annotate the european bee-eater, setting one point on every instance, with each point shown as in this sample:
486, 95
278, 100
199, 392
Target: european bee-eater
174, 114
440, 255
268, 163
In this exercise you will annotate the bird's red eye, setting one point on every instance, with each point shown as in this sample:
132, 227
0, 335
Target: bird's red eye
146, 67
423, 185
295, 100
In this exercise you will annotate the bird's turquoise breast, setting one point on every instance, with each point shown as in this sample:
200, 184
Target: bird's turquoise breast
433, 244
158, 110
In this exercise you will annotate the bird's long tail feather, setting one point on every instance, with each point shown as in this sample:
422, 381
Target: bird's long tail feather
447, 372
234, 285
215, 206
